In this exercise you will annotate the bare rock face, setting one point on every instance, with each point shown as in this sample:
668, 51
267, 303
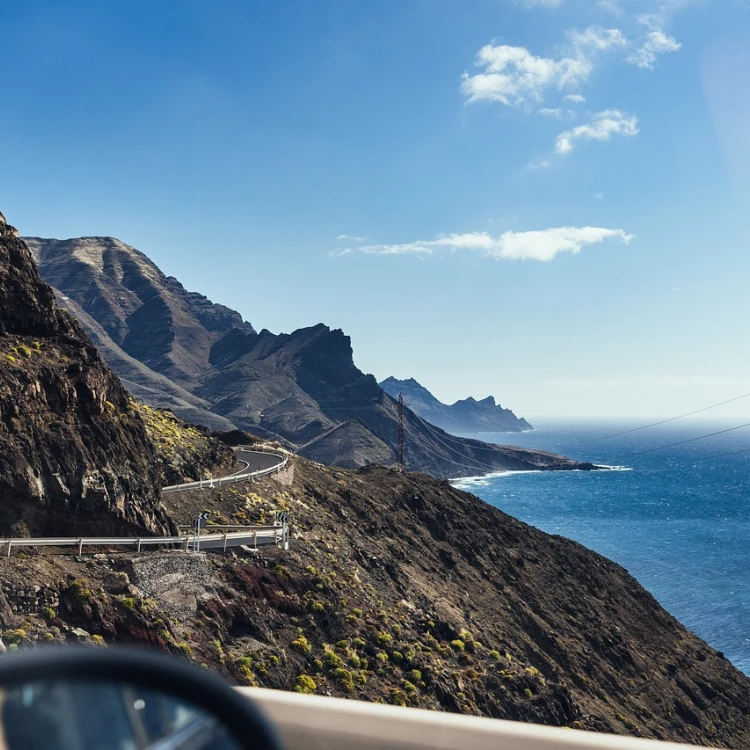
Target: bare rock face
74, 455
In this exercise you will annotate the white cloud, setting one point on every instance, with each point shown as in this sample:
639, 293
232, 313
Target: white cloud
655, 43
539, 164
550, 112
512, 75
541, 245
596, 38
599, 196
601, 128
350, 238
575, 98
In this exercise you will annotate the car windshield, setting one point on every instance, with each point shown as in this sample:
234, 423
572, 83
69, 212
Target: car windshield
391, 351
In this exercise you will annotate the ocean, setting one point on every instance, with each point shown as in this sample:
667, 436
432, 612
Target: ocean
678, 519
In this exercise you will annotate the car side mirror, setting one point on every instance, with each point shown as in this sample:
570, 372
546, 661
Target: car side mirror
84, 698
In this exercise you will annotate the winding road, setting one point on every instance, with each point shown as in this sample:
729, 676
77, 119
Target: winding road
256, 464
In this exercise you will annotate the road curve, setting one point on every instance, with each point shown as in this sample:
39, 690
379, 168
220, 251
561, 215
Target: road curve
257, 464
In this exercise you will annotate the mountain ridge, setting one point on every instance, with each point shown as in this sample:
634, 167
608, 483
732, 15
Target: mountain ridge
465, 415
291, 387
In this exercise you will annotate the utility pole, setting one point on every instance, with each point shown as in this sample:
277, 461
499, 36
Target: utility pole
400, 459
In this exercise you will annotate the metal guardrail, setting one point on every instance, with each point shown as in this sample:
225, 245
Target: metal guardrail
233, 479
263, 534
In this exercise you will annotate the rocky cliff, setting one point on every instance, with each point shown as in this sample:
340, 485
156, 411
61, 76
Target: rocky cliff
399, 588
466, 415
177, 350
74, 456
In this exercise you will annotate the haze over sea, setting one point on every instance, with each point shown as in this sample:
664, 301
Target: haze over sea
677, 521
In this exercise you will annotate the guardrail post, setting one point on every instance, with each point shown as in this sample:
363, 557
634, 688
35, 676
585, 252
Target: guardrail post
255, 542
225, 542
80, 546
276, 537
187, 541
139, 546
10, 545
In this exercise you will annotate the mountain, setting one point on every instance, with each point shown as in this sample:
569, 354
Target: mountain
74, 455
467, 415
176, 349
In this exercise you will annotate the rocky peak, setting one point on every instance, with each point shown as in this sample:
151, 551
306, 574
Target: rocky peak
74, 456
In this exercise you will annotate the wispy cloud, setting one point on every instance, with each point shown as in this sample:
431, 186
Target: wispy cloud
601, 128
539, 164
513, 76
596, 38
542, 3
655, 43
541, 245
350, 238
575, 98
555, 112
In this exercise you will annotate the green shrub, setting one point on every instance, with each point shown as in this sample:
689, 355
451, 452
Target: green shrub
345, 677
317, 665
495, 655
397, 697
384, 638
14, 636
409, 687
332, 659
310, 570
357, 612
416, 675
354, 661
24, 350
184, 647
527, 692
316, 606
128, 602
98, 640
382, 657
458, 645
49, 613
397, 656
305, 684
10, 358
358, 643
465, 636
302, 645
80, 591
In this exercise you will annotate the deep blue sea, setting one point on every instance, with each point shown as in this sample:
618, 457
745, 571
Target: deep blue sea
678, 520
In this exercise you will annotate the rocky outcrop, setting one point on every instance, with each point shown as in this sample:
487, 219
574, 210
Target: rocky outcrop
302, 389
74, 456
466, 415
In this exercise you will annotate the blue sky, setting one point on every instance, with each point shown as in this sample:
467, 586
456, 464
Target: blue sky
546, 201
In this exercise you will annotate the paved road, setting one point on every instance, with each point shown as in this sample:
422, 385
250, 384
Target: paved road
255, 461
256, 464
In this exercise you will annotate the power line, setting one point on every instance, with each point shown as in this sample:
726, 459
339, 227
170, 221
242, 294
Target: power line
693, 440
664, 421
440, 455
437, 436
